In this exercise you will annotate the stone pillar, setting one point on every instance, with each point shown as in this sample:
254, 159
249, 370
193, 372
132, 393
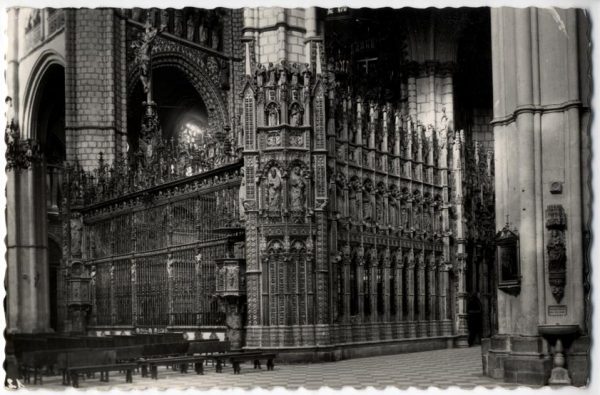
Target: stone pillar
443, 292
399, 268
539, 63
432, 296
12, 179
421, 296
410, 297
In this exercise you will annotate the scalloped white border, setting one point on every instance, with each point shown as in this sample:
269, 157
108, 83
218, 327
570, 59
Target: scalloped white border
593, 6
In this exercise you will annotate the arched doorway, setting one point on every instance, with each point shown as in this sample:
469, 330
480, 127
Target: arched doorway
48, 126
182, 113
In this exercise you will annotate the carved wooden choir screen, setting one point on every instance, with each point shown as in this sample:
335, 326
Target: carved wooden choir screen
154, 261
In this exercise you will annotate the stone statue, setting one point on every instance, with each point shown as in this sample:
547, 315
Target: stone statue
282, 73
404, 220
76, 235
353, 204
260, 74
215, 41
190, 29
10, 115
295, 71
367, 207
143, 53
272, 116
274, 190
178, 23
416, 222
379, 210
297, 186
202, 34
272, 72
242, 198
295, 116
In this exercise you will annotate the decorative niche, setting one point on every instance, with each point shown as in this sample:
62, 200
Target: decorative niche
508, 261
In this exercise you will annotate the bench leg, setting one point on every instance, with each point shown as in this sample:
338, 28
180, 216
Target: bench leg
270, 364
144, 370
198, 366
154, 372
236, 367
219, 368
75, 379
257, 364
129, 376
183, 367
65, 378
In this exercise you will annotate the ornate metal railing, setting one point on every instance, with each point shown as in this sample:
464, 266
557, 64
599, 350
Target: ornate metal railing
152, 252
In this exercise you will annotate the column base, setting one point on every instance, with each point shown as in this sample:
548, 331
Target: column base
559, 376
461, 341
422, 328
433, 328
412, 329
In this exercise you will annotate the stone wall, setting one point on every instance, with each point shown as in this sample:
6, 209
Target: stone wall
94, 95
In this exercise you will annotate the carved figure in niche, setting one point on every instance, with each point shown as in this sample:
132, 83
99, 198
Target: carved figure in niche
178, 23
272, 115
272, 73
295, 71
282, 73
260, 73
306, 79
353, 203
404, 221
416, 219
427, 222
190, 29
242, 197
274, 190
379, 210
202, 33
367, 207
215, 40
393, 213
557, 258
10, 120
297, 186
170, 262
295, 115
76, 236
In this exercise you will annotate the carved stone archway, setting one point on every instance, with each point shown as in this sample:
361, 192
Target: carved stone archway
191, 63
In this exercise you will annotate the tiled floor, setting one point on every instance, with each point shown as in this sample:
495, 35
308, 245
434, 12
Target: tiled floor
440, 368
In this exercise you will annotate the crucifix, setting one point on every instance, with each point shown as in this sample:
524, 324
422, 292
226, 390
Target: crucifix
143, 49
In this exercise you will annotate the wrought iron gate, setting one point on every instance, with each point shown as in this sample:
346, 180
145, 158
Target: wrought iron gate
152, 253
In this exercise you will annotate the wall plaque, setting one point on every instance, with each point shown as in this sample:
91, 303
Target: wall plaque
557, 310
509, 265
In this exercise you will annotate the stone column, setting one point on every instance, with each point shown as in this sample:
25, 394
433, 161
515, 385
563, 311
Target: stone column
540, 61
443, 292
359, 334
12, 179
387, 330
421, 296
399, 268
410, 298
432, 296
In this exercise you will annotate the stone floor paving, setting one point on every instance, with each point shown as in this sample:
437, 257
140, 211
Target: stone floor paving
439, 368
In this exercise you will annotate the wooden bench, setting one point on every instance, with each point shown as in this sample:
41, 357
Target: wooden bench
182, 362
238, 358
92, 361
35, 362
